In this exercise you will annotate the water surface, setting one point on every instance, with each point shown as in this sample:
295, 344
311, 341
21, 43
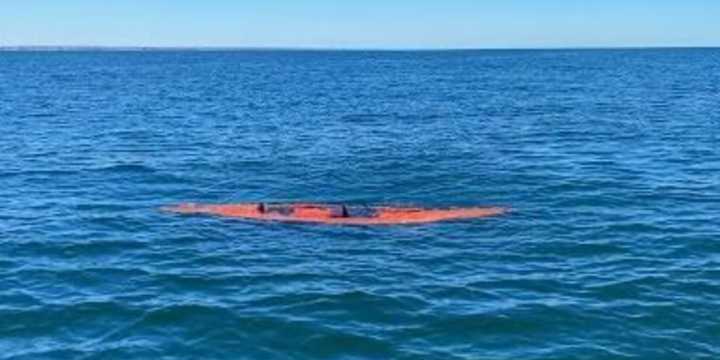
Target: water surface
609, 159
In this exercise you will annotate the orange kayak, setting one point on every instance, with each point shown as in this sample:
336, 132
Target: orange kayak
336, 214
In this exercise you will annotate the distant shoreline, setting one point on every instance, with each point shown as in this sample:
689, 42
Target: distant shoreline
43, 48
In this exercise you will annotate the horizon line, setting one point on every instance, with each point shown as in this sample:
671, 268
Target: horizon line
58, 48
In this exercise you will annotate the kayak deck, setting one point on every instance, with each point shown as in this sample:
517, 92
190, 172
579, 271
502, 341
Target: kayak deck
336, 214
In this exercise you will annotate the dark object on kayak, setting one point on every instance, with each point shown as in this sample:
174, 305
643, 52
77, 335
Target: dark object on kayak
337, 214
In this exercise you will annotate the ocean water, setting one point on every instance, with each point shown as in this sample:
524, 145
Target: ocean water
608, 158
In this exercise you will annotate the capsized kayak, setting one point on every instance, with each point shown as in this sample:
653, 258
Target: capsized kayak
336, 214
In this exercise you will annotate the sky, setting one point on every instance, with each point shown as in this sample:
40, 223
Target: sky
393, 24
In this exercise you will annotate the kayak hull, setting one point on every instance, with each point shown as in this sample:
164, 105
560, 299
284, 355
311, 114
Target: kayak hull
336, 214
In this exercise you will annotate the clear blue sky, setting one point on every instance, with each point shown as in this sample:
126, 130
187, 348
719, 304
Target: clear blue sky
361, 23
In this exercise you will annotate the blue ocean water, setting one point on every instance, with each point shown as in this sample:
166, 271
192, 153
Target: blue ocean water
609, 159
